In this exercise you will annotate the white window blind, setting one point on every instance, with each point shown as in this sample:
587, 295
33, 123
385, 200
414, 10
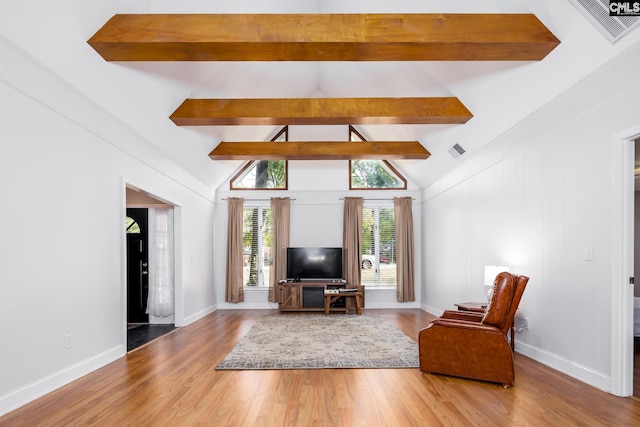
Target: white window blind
256, 246
378, 247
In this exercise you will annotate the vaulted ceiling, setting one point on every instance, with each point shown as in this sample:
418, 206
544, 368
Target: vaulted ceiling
321, 38
152, 95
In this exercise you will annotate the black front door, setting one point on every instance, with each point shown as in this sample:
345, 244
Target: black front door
137, 265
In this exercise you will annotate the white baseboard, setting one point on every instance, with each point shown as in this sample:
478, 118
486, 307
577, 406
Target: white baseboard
394, 305
30, 392
431, 310
587, 375
248, 306
198, 315
33, 391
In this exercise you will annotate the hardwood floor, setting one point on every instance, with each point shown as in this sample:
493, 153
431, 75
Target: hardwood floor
172, 381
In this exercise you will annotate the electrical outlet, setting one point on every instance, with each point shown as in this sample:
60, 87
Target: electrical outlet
67, 341
522, 325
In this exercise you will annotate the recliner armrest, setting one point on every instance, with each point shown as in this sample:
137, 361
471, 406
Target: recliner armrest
469, 316
463, 324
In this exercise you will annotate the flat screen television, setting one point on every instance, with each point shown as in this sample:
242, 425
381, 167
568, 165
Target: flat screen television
314, 263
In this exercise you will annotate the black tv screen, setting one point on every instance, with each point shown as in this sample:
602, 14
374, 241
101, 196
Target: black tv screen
314, 263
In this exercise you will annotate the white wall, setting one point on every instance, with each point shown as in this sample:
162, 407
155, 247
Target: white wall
534, 200
64, 165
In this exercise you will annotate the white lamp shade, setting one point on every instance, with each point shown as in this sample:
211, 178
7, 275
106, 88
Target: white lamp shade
490, 273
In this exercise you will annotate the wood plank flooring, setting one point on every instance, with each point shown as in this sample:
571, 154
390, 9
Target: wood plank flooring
172, 382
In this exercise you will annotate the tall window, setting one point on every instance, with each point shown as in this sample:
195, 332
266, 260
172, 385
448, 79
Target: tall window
378, 247
263, 174
373, 174
256, 246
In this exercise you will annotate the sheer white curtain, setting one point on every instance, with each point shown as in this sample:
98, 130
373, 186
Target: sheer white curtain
161, 278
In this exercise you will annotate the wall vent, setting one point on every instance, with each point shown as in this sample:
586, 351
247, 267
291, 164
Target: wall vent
613, 27
456, 151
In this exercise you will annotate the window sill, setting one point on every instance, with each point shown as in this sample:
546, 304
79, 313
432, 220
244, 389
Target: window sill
255, 288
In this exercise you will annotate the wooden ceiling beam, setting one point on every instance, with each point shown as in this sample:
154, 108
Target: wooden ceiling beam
320, 111
319, 150
323, 37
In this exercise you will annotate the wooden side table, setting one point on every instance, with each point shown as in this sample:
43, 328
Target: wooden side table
329, 298
480, 307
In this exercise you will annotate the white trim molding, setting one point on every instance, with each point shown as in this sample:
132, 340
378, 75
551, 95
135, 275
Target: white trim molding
622, 231
41, 387
587, 375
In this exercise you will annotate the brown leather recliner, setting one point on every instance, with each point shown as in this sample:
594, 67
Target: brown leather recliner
475, 345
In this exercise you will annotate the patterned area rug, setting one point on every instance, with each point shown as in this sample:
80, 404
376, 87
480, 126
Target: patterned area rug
313, 341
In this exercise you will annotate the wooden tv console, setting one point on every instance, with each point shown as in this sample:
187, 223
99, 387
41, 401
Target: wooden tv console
309, 296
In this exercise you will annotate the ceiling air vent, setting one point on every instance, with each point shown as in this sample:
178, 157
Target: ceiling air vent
456, 151
613, 27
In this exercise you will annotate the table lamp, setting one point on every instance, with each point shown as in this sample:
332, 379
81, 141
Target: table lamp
490, 273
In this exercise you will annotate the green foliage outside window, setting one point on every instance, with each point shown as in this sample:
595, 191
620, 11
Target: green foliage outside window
372, 174
264, 174
270, 174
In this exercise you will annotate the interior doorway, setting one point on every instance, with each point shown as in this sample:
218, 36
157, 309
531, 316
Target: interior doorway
148, 271
622, 258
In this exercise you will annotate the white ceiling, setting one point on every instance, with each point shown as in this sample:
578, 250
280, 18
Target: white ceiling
143, 95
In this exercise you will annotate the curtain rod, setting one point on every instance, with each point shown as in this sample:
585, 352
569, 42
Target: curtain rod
413, 198
257, 200
266, 200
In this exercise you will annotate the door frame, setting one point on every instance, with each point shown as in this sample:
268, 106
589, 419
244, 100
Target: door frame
622, 254
177, 250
